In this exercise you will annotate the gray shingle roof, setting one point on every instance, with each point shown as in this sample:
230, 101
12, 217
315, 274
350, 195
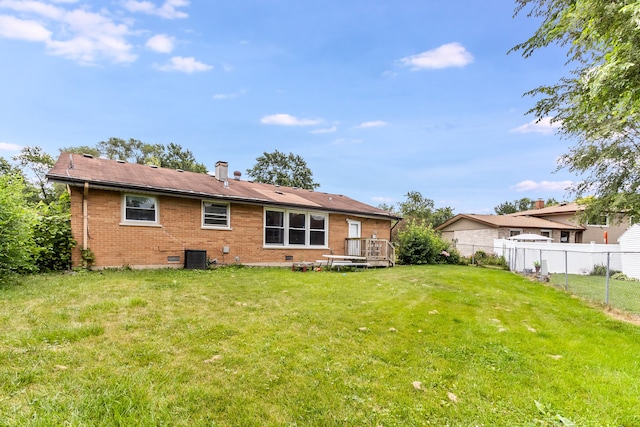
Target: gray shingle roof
76, 169
512, 221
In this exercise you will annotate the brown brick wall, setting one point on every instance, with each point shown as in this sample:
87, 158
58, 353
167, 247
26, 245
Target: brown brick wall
116, 245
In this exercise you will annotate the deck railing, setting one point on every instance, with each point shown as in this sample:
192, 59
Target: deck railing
376, 251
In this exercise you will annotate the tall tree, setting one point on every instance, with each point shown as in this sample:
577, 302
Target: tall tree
82, 149
176, 157
520, 205
598, 103
120, 149
39, 162
289, 170
135, 151
418, 207
7, 168
150, 154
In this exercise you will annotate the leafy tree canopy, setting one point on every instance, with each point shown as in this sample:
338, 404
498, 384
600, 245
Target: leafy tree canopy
81, 149
135, 151
38, 162
288, 170
598, 104
7, 168
520, 205
175, 157
417, 207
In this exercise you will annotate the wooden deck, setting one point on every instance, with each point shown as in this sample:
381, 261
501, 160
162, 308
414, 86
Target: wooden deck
377, 252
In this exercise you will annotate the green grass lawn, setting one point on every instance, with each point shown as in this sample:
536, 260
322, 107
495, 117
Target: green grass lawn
429, 345
623, 294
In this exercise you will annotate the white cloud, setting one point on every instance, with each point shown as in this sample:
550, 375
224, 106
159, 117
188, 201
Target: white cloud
332, 129
543, 126
34, 7
445, 56
5, 146
81, 35
14, 28
288, 120
168, 10
232, 95
530, 185
161, 43
186, 65
373, 124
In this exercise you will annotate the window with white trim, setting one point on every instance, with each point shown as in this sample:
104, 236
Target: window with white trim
215, 215
295, 228
139, 209
546, 233
515, 232
274, 227
598, 221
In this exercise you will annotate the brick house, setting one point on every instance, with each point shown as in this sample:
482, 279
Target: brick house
145, 216
558, 222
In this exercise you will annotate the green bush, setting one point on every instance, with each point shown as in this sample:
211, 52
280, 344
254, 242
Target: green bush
601, 270
483, 258
420, 244
17, 245
52, 235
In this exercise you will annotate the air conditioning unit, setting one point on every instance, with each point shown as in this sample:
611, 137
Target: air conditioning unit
195, 259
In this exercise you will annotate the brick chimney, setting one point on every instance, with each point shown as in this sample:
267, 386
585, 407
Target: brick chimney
222, 171
539, 204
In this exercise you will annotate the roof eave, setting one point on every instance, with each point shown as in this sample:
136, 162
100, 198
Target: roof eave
114, 186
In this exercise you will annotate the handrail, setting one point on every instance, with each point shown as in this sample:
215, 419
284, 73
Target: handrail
373, 250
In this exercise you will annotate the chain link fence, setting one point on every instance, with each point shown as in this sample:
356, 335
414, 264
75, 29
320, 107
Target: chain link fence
600, 275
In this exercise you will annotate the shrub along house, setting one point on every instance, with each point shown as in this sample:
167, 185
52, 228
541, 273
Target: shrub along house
145, 216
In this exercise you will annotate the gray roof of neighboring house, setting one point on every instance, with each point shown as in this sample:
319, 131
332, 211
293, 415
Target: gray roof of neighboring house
511, 221
77, 169
563, 208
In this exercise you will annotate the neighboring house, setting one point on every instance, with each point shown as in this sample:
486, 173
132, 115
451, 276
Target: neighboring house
472, 232
144, 216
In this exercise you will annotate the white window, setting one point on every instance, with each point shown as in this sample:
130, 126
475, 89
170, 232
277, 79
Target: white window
215, 215
140, 210
295, 228
598, 221
515, 232
274, 228
546, 233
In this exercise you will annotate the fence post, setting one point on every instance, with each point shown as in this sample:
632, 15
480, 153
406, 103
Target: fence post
608, 259
566, 272
540, 257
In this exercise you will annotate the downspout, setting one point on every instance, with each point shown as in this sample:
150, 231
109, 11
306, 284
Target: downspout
85, 217
393, 261
391, 230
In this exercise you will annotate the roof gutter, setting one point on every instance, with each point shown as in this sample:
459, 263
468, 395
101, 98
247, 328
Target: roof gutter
252, 201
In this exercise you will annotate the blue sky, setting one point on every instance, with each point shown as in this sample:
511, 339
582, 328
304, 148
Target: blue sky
379, 97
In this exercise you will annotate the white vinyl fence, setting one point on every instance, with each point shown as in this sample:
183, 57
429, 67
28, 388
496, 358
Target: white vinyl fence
566, 258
